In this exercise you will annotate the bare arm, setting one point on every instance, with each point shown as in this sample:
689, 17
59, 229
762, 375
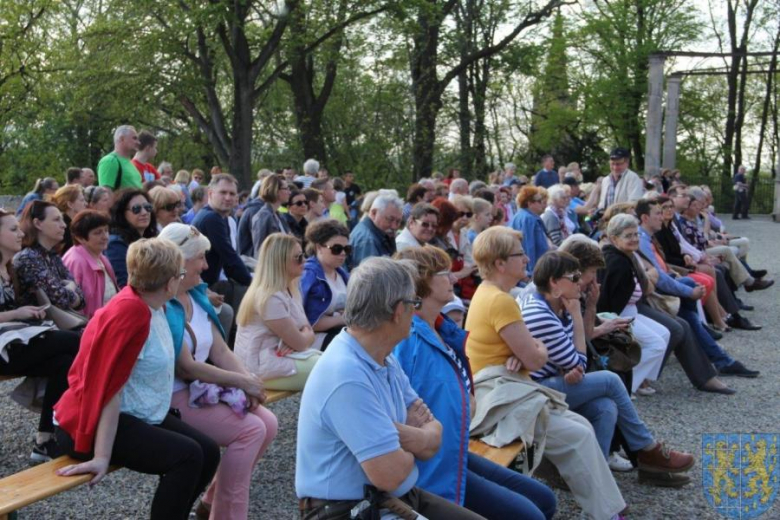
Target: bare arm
573, 307
326, 323
104, 444
422, 442
389, 471
531, 353
296, 338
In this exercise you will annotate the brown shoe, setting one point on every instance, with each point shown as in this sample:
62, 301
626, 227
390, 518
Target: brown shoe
661, 460
759, 285
665, 479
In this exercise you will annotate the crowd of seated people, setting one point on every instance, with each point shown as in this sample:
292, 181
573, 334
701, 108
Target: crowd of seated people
466, 310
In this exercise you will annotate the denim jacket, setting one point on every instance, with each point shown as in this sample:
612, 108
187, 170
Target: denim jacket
315, 291
436, 379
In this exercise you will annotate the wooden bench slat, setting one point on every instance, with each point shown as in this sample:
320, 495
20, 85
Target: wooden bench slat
273, 396
36, 483
504, 456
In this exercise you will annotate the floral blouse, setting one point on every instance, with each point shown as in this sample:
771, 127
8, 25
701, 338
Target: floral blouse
36, 267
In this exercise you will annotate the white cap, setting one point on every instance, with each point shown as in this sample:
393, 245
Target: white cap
455, 305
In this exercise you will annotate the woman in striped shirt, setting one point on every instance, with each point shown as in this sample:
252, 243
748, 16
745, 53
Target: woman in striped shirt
553, 315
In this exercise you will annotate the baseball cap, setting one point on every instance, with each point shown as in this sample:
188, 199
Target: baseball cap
619, 153
455, 305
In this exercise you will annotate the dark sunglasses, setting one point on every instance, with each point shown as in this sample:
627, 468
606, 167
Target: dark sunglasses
139, 207
172, 206
337, 249
427, 225
573, 277
298, 203
466, 214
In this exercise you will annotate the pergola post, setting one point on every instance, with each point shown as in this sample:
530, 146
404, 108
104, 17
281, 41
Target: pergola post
654, 115
670, 122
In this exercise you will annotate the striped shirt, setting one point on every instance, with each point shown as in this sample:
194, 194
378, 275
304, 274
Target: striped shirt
556, 333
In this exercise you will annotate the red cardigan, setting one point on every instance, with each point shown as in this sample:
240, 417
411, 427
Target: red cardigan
109, 349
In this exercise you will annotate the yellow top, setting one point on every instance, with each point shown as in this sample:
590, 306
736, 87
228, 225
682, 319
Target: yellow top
491, 310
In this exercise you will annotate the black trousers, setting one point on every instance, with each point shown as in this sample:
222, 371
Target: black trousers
692, 357
48, 355
185, 459
740, 204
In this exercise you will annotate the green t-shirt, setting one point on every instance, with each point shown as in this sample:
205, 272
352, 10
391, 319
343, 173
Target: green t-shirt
108, 167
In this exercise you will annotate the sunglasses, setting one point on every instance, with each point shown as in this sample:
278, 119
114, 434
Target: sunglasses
298, 203
467, 214
89, 193
299, 258
573, 277
426, 225
337, 249
193, 233
173, 206
416, 303
141, 207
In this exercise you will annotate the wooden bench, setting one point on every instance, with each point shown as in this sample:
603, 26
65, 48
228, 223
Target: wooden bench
506, 456
41, 482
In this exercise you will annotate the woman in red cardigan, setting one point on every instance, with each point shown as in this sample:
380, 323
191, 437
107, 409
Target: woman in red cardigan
117, 408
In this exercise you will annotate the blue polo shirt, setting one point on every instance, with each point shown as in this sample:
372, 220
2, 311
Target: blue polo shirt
347, 415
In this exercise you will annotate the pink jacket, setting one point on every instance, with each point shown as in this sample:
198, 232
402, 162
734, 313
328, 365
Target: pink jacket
87, 273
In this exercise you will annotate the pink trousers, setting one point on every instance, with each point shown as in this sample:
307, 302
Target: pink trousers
245, 439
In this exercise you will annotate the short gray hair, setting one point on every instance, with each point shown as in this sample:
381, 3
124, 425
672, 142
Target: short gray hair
188, 239
311, 167
122, 131
697, 193
510, 166
386, 198
375, 287
556, 192
620, 223
475, 186
459, 183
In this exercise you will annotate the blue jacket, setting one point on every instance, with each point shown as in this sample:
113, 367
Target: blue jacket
367, 240
174, 312
534, 236
435, 377
666, 284
221, 255
117, 255
546, 178
315, 291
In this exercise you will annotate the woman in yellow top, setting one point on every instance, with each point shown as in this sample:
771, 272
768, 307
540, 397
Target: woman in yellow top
498, 336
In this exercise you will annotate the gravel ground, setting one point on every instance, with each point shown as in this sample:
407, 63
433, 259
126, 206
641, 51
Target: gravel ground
677, 413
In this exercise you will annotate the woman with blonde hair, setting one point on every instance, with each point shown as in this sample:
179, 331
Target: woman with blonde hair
274, 336
167, 206
70, 201
182, 179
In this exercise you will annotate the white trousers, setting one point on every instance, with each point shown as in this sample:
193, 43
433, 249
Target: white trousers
654, 339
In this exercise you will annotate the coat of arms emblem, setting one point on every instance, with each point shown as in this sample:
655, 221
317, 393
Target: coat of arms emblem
740, 473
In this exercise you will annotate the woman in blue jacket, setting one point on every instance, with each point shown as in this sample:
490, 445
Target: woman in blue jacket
324, 280
434, 359
532, 201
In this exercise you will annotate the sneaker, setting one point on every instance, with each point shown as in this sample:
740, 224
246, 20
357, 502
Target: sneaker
664, 460
619, 464
739, 370
645, 390
45, 452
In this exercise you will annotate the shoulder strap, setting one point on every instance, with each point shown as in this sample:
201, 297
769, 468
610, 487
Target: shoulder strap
118, 174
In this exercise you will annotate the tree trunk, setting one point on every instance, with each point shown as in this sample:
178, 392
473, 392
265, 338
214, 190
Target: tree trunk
464, 120
243, 116
479, 95
427, 99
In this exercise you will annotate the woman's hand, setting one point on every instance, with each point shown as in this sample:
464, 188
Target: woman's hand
592, 293
29, 312
572, 306
689, 261
608, 326
574, 376
96, 466
513, 364
253, 386
215, 299
467, 271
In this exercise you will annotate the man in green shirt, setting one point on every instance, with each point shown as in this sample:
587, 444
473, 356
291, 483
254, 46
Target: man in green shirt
115, 170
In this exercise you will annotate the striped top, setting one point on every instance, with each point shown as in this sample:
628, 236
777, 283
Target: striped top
556, 333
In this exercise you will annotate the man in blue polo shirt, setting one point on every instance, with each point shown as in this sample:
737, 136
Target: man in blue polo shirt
547, 176
360, 422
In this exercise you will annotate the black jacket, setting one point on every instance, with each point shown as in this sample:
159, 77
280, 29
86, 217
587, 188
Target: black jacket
617, 280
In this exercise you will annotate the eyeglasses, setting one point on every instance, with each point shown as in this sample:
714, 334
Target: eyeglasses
630, 236
298, 203
573, 277
141, 207
182, 274
89, 193
299, 258
426, 225
286, 188
392, 220
171, 207
537, 200
193, 233
467, 214
416, 303
337, 249
522, 253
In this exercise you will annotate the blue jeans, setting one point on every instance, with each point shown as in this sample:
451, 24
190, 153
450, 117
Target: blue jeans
497, 493
602, 399
690, 314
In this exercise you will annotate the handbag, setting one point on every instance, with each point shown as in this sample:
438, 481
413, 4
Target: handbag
64, 319
664, 303
617, 351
